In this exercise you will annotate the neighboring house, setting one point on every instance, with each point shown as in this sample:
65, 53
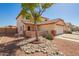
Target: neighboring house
69, 26
72, 27
26, 26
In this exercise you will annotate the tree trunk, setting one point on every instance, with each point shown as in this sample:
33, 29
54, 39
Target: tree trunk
36, 30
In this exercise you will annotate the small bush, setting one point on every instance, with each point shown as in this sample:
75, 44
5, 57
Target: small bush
68, 32
49, 37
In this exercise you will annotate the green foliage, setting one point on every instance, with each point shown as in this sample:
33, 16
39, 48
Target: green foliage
33, 11
69, 32
46, 5
48, 36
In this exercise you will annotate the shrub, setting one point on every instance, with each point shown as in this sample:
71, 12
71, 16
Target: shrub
48, 36
69, 32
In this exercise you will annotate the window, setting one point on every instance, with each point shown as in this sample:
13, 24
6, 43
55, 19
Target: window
23, 27
28, 28
20, 28
45, 19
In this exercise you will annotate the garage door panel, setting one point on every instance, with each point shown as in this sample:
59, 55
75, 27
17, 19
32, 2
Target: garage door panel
59, 29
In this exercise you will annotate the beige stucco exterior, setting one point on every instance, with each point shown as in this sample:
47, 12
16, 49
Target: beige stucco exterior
52, 26
20, 25
62, 23
23, 27
47, 27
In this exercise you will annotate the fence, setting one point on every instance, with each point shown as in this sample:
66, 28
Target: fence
8, 31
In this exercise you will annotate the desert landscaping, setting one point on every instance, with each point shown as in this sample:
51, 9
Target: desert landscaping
22, 46
19, 46
36, 35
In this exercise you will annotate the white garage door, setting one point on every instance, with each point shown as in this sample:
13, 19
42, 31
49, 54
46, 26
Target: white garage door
59, 29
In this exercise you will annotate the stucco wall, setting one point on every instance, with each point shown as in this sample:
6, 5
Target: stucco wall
61, 23
20, 25
44, 27
26, 27
47, 27
8, 31
50, 27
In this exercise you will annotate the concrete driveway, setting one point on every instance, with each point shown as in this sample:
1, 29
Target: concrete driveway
71, 37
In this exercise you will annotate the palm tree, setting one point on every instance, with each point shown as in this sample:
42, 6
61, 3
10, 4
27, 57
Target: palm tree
33, 12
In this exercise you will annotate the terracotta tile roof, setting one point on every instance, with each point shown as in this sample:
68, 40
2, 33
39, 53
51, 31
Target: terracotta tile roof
51, 21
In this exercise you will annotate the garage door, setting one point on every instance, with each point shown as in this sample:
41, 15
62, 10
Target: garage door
59, 29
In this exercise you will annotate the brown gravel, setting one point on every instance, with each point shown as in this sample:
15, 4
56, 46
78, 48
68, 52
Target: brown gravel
16, 51
68, 48
45, 46
10, 46
6, 39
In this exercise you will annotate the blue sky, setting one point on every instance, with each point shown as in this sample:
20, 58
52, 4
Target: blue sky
68, 12
8, 13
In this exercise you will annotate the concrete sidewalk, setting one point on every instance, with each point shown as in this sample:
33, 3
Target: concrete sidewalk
69, 37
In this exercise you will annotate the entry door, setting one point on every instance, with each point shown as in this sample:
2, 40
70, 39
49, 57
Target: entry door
59, 29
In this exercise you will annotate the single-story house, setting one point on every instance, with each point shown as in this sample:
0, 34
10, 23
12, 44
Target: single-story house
27, 27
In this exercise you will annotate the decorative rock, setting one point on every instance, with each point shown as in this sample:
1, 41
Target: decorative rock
44, 51
45, 47
60, 53
32, 51
27, 52
49, 54
39, 50
55, 53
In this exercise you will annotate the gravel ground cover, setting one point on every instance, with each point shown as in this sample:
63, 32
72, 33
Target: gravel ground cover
68, 48
46, 47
